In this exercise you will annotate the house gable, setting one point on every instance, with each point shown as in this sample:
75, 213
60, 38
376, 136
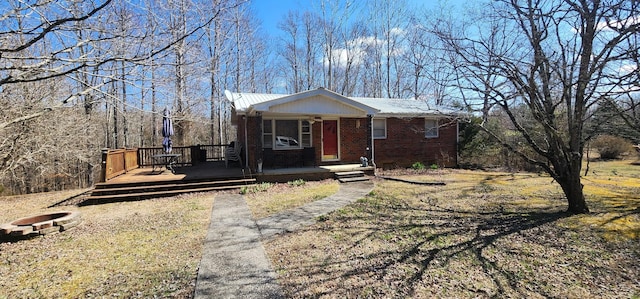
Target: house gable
315, 102
316, 105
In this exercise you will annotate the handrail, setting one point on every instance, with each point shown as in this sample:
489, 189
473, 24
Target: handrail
189, 155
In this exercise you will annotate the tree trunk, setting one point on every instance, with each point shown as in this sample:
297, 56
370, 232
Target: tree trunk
572, 187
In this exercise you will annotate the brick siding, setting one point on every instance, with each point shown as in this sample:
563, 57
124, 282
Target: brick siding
354, 133
405, 143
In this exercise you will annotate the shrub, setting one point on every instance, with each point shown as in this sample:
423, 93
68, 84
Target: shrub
244, 190
296, 183
611, 147
255, 188
418, 166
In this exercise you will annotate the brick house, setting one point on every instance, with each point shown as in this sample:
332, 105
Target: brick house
321, 127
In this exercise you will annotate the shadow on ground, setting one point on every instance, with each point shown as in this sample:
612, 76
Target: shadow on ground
389, 248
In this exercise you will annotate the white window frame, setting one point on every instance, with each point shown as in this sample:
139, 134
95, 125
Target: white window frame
431, 125
384, 121
299, 139
303, 133
268, 135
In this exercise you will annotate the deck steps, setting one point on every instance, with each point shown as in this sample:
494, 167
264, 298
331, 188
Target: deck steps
105, 193
351, 176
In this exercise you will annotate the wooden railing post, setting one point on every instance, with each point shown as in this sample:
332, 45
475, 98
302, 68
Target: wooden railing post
195, 154
103, 164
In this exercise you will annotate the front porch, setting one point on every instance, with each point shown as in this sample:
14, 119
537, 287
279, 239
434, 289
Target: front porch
145, 182
128, 177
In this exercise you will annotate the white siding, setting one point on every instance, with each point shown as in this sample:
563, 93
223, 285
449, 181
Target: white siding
316, 105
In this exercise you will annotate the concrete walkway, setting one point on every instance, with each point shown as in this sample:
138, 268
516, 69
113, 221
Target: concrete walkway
291, 220
234, 263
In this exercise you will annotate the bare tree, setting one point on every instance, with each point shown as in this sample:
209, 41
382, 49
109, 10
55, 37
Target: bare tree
96, 55
312, 50
26, 53
554, 58
290, 50
215, 34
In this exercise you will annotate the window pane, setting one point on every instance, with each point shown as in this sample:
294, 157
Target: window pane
287, 133
306, 140
306, 127
431, 128
267, 141
266, 126
379, 128
267, 135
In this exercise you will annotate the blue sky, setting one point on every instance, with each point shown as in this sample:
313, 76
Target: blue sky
270, 12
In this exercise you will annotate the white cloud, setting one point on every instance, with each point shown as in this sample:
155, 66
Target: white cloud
628, 68
357, 49
618, 24
397, 31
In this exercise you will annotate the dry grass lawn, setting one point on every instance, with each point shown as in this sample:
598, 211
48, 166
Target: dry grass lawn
138, 249
124, 250
274, 198
482, 235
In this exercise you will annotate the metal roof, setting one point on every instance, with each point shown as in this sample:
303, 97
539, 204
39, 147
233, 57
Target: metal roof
402, 107
382, 106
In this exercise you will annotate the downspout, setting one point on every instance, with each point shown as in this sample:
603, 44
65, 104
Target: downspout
373, 142
457, 141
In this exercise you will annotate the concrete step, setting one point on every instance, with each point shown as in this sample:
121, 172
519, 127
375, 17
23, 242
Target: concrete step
349, 174
106, 193
101, 199
353, 179
163, 186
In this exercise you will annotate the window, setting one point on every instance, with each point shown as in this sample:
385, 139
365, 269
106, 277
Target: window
267, 134
305, 133
430, 128
286, 133
379, 128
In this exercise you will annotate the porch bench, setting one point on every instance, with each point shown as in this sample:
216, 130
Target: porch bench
309, 156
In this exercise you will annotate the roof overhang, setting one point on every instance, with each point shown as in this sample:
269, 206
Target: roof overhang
314, 102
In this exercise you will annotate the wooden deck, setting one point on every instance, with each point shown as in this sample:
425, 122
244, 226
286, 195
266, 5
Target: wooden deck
203, 171
217, 171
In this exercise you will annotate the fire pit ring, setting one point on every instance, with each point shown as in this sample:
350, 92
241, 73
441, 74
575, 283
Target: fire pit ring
39, 225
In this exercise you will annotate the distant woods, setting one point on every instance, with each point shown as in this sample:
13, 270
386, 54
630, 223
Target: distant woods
79, 76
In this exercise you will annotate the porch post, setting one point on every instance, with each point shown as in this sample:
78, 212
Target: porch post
259, 130
370, 141
246, 144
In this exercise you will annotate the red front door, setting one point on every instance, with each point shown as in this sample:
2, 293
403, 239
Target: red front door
329, 140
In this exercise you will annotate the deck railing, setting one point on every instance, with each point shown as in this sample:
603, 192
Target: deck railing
118, 161
189, 155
